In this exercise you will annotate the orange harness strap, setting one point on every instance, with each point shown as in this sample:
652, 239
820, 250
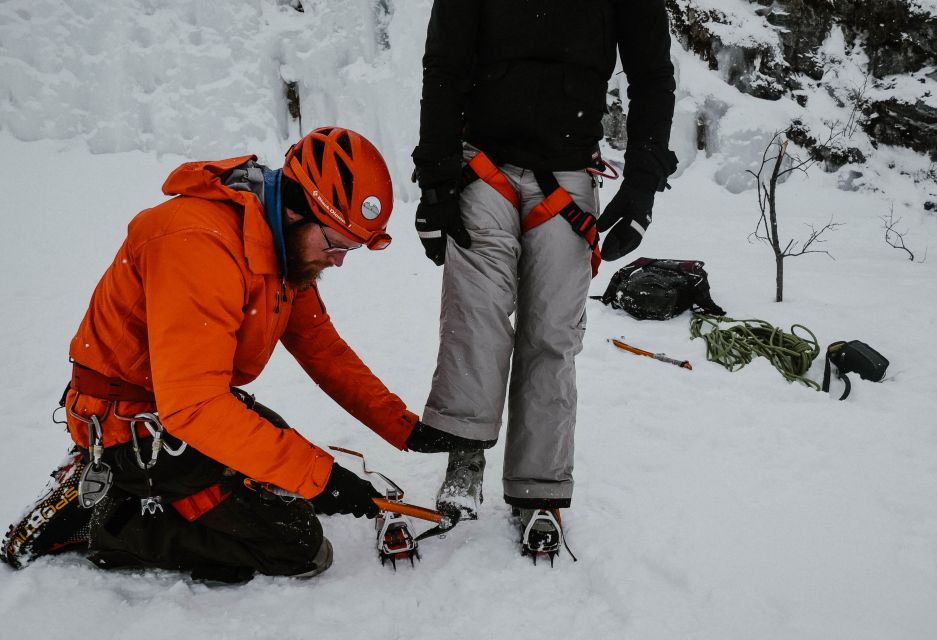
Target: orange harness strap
559, 202
480, 167
195, 506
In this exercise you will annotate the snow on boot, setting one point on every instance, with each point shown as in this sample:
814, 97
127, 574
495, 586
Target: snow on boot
541, 532
54, 522
462, 488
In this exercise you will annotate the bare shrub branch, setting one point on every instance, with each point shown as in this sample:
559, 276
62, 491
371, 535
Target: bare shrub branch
895, 238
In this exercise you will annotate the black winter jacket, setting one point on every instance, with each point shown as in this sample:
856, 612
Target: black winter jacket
526, 82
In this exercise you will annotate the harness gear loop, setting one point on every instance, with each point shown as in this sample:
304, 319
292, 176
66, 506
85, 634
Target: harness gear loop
557, 201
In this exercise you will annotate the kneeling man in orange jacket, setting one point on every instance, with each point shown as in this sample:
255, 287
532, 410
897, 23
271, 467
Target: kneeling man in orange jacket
199, 294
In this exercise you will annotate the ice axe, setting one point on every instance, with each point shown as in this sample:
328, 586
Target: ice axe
683, 364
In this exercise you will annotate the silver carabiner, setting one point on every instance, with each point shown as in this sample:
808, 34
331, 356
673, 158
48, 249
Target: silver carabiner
135, 441
95, 439
155, 428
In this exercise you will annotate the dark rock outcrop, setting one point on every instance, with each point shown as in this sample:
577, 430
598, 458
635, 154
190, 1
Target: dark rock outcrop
897, 39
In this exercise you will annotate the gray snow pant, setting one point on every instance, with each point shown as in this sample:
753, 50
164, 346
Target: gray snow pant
543, 275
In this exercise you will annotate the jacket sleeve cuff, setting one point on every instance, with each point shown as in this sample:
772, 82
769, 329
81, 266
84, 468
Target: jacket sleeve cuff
399, 432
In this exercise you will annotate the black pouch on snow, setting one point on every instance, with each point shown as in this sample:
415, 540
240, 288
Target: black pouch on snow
853, 357
660, 289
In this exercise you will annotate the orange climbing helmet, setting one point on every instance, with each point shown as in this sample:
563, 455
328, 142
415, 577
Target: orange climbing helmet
345, 182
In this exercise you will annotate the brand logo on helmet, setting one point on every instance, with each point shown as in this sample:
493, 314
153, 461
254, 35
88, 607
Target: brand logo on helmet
328, 207
371, 207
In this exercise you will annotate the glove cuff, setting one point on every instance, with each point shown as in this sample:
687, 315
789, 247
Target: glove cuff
443, 192
433, 173
648, 168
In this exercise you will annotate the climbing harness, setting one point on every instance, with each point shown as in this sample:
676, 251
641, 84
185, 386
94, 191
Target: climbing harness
98, 477
557, 201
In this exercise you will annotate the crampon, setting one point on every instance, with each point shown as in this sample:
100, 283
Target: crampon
396, 539
542, 536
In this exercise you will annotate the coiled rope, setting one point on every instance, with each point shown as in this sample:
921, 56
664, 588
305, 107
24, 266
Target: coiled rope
734, 347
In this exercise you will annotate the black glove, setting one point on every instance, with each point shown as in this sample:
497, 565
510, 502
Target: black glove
346, 493
426, 439
626, 218
438, 215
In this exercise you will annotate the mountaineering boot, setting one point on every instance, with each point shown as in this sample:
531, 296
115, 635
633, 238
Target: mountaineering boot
541, 532
462, 488
54, 522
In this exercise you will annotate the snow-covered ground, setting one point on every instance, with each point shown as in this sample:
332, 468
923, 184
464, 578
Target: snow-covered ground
708, 504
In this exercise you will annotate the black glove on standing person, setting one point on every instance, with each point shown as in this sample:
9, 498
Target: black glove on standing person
345, 492
438, 215
628, 215
626, 218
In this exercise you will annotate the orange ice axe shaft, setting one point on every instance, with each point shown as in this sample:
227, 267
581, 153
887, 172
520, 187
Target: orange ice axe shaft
683, 364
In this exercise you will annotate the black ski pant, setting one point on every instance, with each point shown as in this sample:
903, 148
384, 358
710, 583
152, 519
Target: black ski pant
248, 532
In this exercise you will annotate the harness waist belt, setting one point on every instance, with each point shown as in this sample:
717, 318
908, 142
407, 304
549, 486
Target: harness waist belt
90, 382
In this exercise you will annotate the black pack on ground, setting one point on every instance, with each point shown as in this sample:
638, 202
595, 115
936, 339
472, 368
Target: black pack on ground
660, 289
853, 356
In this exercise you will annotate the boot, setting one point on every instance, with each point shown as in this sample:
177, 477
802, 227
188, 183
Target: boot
54, 522
462, 488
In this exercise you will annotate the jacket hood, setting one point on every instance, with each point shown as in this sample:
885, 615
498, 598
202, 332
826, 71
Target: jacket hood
203, 180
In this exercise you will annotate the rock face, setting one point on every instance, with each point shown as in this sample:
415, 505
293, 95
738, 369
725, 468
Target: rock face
775, 49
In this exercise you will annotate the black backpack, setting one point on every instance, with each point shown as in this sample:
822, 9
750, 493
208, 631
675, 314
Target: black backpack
853, 357
652, 289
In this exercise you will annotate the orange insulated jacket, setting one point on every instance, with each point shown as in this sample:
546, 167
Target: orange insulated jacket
193, 304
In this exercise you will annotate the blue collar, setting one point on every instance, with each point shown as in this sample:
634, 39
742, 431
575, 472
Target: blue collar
273, 211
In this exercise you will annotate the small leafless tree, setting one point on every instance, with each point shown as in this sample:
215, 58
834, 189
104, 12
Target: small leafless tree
894, 237
767, 228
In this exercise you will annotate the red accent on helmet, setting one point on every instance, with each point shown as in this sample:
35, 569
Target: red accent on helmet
346, 182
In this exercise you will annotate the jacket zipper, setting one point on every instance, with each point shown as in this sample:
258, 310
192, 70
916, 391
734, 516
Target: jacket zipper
276, 307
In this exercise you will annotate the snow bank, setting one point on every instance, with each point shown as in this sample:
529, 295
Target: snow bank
207, 80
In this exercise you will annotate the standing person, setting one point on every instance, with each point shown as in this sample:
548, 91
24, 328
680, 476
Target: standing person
513, 98
199, 294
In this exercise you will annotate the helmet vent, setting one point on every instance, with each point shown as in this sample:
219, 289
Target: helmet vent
344, 142
348, 181
335, 199
325, 131
318, 152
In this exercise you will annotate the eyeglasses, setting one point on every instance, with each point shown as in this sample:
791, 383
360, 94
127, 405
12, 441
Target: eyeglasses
334, 248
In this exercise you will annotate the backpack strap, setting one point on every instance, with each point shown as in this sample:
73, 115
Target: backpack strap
832, 357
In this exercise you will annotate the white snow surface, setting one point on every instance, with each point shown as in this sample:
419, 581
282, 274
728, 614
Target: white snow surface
708, 504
